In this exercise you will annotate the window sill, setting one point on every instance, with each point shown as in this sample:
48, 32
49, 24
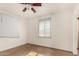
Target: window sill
44, 37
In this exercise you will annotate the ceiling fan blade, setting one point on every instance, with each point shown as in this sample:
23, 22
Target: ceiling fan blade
33, 4
24, 10
22, 3
36, 4
33, 10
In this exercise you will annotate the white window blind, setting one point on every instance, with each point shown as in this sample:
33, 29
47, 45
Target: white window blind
44, 27
8, 26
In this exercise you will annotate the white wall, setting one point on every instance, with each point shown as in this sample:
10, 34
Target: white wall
7, 43
62, 31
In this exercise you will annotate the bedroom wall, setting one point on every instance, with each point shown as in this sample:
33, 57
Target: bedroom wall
61, 29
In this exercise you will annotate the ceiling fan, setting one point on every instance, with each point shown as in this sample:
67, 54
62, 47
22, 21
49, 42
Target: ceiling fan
30, 6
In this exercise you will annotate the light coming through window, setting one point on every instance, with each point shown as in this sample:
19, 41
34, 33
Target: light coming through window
44, 28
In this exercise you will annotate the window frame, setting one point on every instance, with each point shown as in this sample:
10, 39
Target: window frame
44, 19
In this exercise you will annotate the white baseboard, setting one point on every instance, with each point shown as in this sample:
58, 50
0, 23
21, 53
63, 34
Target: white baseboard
52, 47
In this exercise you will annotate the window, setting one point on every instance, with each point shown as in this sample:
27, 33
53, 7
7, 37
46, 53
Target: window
8, 26
44, 27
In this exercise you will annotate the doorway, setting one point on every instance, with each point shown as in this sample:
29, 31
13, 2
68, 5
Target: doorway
78, 36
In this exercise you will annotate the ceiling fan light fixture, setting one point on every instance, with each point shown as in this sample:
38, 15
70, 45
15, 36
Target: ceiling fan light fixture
24, 10
29, 6
33, 10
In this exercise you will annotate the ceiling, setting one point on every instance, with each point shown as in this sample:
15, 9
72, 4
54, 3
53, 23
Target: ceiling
46, 8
